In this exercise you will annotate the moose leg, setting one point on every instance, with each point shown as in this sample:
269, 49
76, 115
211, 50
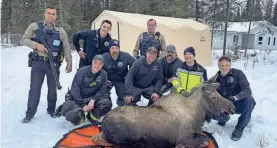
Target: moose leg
100, 140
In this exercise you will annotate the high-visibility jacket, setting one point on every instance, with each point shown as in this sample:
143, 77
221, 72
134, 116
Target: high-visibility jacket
186, 79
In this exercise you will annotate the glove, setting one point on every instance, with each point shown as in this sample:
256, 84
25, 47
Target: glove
232, 98
110, 85
185, 94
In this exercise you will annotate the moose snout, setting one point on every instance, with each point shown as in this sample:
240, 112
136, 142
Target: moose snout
232, 109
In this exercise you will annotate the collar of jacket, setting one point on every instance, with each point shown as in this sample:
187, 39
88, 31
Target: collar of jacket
56, 27
194, 67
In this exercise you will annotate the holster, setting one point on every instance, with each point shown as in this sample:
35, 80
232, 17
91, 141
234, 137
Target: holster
32, 56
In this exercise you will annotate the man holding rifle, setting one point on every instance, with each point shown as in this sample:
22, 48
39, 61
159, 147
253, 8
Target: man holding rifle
50, 44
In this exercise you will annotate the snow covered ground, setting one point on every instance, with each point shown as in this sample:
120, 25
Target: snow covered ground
44, 132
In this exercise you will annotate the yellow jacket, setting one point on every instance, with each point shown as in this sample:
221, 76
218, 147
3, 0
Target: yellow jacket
186, 79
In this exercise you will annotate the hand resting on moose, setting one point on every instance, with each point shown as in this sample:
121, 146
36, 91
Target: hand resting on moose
174, 121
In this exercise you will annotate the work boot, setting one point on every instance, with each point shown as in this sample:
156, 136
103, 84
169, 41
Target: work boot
237, 133
27, 119
225, 118
52, 114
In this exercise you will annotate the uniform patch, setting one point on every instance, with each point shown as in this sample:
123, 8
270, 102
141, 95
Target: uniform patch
231, 79
56, 42
106, 43
156, 37
115, 42
92, 84
119, 64
155, 68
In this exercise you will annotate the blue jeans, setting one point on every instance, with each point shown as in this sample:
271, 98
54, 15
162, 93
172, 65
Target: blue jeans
243, 107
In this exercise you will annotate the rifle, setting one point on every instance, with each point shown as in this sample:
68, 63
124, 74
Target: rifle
51, 61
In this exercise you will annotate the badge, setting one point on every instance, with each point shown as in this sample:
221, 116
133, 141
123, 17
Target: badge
155, 68
115, 42
56, 42
106, 43
92, 84
231, 80
119, 64
156, 37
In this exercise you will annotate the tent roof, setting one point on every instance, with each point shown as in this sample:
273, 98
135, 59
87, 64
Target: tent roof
139, 20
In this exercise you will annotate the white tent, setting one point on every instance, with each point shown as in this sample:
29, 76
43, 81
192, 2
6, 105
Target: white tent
180, 32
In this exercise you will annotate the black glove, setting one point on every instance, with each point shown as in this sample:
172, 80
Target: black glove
232, 99
110, 85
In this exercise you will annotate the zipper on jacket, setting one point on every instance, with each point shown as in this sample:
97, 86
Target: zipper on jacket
187, 82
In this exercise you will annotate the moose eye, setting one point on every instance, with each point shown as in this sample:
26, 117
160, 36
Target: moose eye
214, 97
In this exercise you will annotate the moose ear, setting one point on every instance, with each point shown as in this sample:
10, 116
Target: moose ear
208, 88
211, 80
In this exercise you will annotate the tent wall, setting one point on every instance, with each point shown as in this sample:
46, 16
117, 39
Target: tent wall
180, 37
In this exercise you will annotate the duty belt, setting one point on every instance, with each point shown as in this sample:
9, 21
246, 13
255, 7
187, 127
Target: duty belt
43, 58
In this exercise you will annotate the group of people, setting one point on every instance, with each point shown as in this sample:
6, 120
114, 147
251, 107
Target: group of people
152, 70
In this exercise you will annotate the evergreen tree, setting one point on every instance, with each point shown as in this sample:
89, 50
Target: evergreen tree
274, 19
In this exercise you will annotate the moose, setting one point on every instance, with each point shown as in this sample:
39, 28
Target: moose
172, 121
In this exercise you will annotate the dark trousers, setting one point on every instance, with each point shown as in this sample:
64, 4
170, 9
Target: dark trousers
145, 92
83, 62
71, 110
39, 70
243, 107
120, 91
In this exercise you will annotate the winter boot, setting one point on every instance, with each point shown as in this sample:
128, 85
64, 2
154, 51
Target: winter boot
52, 114
27, 119
237, 133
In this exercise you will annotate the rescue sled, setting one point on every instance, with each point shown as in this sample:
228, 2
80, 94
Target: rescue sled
81, 138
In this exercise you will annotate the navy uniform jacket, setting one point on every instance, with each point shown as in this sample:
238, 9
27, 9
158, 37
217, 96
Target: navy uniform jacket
234, 83
117, 69
87, 86
170, 69
93, 43
143, 75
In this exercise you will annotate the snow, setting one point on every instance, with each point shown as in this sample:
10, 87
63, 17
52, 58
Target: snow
44, 131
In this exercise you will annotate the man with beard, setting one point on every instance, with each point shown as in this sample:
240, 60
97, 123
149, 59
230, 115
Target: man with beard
170, 65
190, 75
236, 88
144, 78
95, 42
116, 64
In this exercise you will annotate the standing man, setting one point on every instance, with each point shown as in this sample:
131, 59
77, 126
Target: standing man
150, 39
88, 94
170, 65
235, 87
190, 75
117, 64
95, 42
144, 78
57, 42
